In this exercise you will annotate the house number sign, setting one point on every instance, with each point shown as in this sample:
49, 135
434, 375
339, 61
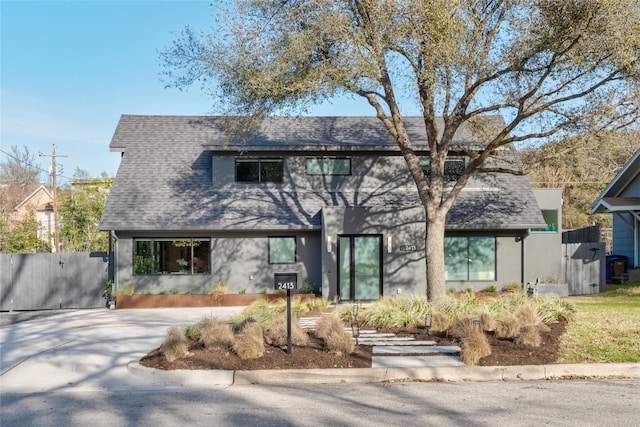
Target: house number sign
286, 281
408, 248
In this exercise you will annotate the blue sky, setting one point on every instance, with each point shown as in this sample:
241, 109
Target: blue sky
69, 69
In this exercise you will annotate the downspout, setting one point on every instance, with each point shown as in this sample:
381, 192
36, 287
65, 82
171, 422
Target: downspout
114, 250
523, 254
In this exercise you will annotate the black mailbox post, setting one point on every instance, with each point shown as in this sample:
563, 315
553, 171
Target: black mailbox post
286, 281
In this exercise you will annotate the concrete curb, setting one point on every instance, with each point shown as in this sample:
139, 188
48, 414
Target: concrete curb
373, 375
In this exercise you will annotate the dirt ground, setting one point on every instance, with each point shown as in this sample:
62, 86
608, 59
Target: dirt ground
503, 352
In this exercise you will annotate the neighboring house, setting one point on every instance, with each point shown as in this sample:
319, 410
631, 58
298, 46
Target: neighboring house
622, 199
329, 198
31, 198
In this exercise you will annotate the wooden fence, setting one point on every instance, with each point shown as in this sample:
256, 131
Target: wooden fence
47, 281
584, 260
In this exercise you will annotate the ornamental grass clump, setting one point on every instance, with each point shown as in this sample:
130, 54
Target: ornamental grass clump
276, 334
339, 342
327, 325
216, 333
508, 327
249, 342
531, 326
440, 322
474, 347
259, 311
176, 345
474, 343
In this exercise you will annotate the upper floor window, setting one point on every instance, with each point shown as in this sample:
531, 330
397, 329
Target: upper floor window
328, 166
259, 170
453, 167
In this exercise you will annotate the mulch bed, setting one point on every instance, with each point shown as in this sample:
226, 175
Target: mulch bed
313, 355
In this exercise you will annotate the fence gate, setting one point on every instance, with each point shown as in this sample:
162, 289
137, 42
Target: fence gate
584, 260
52, 281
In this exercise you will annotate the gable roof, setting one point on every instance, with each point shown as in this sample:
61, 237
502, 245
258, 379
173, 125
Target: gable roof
280, 133
39, 190
164, 180
610, 200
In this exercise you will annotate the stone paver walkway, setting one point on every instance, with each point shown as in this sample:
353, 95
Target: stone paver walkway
390, 351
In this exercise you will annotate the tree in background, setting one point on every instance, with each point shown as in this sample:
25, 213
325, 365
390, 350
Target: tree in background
19, 176
582, 166
23, 237
19, 167
551, 68
81, 206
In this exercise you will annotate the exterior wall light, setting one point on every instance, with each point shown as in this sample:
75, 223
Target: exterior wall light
329, 244
389, 244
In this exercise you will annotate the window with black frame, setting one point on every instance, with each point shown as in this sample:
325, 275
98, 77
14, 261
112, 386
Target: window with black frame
171, 256
453, 167
256, 170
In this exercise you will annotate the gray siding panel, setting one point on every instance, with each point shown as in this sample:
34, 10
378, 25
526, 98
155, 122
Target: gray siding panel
623, 235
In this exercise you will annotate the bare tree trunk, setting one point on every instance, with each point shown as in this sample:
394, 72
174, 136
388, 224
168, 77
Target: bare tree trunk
434, 244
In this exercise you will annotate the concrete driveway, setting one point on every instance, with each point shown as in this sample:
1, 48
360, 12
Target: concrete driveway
88, 349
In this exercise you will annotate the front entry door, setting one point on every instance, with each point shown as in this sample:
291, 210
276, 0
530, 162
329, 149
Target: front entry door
360, 267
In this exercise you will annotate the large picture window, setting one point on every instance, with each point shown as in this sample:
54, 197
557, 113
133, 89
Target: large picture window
171, 256
282, 250
470, 258
259, 170
328, 166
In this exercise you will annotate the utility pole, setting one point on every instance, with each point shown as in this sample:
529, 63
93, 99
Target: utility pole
54, 192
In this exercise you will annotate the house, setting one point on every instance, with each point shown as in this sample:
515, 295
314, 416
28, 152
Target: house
327, 198
622, 199
19, 201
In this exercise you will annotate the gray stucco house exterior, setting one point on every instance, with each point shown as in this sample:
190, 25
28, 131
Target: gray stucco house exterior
328, 198
622, 199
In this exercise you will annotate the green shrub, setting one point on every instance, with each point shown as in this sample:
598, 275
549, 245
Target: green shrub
175, 292
242, 291
491, 288
263, 291
192, 332
307, 288
452, 290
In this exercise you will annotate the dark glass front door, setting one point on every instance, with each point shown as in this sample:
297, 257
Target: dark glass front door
360, 267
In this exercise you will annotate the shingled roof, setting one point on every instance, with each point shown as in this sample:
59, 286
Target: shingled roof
164, 179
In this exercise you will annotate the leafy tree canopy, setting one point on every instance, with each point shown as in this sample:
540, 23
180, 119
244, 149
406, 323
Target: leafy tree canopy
551, 68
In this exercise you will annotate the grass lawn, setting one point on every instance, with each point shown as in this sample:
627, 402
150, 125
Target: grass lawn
606, 328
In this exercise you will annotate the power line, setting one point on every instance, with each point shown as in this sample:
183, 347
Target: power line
38, 168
